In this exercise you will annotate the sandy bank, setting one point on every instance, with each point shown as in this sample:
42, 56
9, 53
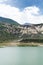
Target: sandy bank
15, 43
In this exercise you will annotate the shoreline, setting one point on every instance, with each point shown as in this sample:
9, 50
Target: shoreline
15, 43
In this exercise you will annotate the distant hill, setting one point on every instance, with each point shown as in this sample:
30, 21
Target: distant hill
30, 24
7, 20
27, 24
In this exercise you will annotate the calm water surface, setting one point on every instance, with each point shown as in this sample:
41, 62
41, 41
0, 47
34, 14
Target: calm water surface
21, 56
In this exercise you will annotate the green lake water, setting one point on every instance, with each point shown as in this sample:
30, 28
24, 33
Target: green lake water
21, 56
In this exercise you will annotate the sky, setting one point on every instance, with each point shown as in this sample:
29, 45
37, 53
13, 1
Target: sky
22, 11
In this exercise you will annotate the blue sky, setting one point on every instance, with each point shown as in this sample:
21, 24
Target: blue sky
34, 7
25, 3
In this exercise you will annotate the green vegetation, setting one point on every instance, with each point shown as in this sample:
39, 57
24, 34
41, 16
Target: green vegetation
32, 40
38, 38
8, 29
4, 36
7, 20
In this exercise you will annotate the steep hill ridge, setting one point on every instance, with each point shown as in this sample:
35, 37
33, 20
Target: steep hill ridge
7, 20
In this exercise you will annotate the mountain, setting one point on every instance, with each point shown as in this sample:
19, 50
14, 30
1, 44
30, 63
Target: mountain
8, 29
7, 20
30, 24
27, 24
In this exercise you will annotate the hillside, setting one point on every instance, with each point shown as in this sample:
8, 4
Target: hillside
10, 30
7, 20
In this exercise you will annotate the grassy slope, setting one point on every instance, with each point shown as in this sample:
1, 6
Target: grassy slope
7, 20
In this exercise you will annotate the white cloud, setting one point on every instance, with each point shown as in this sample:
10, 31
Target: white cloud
10, 12
29, 14
2, 1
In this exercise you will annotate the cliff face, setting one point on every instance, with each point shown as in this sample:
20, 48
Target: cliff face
11, 28
9, 31
32, 29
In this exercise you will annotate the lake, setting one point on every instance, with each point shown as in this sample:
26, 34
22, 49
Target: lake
21, 56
